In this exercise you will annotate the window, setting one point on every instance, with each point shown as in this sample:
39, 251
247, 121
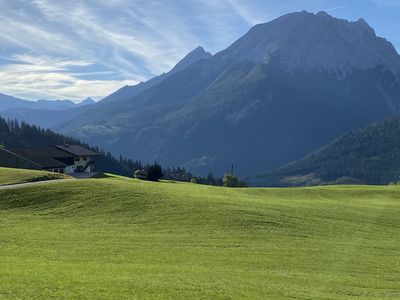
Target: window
76, 158
84, 158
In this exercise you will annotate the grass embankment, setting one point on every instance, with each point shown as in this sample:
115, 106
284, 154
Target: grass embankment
127, 239
16, 176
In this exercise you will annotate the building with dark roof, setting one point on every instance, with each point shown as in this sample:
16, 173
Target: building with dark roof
76, 150
68, 159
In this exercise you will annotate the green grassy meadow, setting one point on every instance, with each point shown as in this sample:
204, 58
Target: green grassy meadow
119, 238
16, 176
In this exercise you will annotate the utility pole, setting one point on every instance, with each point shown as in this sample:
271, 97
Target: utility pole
231, 176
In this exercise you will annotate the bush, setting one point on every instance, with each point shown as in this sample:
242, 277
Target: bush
154, 172
233, 181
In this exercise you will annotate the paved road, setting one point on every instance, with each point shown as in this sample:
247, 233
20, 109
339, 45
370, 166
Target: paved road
20, 185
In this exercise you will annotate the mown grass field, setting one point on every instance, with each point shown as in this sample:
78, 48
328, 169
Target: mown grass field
16, 176
117, 238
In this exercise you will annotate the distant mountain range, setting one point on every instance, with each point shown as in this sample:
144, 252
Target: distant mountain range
284, 89
44, 113
9, 102
369, 155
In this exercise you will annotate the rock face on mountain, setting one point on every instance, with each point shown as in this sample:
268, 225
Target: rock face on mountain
304, 41
281, 91
196, 55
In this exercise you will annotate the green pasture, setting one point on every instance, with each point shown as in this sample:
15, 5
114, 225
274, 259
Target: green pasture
119, 238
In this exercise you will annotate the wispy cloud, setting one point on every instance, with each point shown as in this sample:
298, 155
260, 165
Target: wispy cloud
122, 41
130, 42
336, 8
80, 48
243, 11
34, 76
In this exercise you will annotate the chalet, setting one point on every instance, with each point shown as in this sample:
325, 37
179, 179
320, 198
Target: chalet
68, 159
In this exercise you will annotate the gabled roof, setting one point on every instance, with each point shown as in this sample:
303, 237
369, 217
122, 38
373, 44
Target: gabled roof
76, 150
57, 156
46, 157
4, 150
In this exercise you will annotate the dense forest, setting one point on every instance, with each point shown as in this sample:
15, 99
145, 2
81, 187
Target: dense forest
20, 134
370, 155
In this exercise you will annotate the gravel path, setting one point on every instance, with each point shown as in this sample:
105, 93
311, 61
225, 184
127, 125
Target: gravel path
21, 185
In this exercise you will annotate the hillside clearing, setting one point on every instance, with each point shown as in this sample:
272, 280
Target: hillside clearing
119, 238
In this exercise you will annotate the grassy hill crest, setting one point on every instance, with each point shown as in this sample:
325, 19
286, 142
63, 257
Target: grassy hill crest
119, 238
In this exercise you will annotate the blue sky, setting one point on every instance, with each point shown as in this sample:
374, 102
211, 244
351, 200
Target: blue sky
73, 49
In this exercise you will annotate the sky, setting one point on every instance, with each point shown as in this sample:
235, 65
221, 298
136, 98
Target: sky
74, 49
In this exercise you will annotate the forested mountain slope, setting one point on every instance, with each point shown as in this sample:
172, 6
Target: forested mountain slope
369, 156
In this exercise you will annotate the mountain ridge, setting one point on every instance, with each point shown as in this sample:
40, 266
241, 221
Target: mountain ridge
347, 46
128, 91
11, 102
44, 113
256, 114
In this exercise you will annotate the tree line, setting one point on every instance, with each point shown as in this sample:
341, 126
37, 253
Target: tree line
15, 134
155, 172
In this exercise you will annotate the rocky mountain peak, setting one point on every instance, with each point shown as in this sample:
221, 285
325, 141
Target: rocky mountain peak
306, 41
322, 14
87, 101
194, 56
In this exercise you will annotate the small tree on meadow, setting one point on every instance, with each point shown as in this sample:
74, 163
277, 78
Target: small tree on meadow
154, 172
233, 181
